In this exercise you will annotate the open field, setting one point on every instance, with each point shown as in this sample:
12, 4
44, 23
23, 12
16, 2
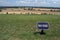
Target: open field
23, 27
30, 11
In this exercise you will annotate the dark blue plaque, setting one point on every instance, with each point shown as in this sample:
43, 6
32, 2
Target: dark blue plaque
43, 25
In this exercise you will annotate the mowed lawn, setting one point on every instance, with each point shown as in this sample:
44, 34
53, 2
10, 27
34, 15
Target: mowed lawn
23, 27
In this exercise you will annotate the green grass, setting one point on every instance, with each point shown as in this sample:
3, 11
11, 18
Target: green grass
23, 27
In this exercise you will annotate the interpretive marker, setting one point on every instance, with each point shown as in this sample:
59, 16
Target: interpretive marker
43, 26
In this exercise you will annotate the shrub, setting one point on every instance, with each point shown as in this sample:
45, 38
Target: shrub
6, 12
0, 10
43, 13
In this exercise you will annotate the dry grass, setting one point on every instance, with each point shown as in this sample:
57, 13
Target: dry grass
34, 11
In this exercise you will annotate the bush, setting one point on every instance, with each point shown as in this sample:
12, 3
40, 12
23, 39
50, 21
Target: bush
6, 12
0, 10
43, 13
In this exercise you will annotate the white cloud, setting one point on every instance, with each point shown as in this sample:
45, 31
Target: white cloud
4, 2
30, 2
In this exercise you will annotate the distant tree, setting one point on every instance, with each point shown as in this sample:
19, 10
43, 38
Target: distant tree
30, 8
0, 10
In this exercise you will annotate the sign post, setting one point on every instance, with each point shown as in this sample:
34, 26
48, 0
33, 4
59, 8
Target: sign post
43, 26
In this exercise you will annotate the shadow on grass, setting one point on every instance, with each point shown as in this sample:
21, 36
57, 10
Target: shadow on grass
39, 33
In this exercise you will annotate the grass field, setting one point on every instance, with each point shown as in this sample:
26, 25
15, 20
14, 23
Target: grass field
23, 27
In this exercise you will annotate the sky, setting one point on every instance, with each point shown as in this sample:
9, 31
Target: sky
40, 3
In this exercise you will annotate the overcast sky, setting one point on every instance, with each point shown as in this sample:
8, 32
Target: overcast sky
41, 3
